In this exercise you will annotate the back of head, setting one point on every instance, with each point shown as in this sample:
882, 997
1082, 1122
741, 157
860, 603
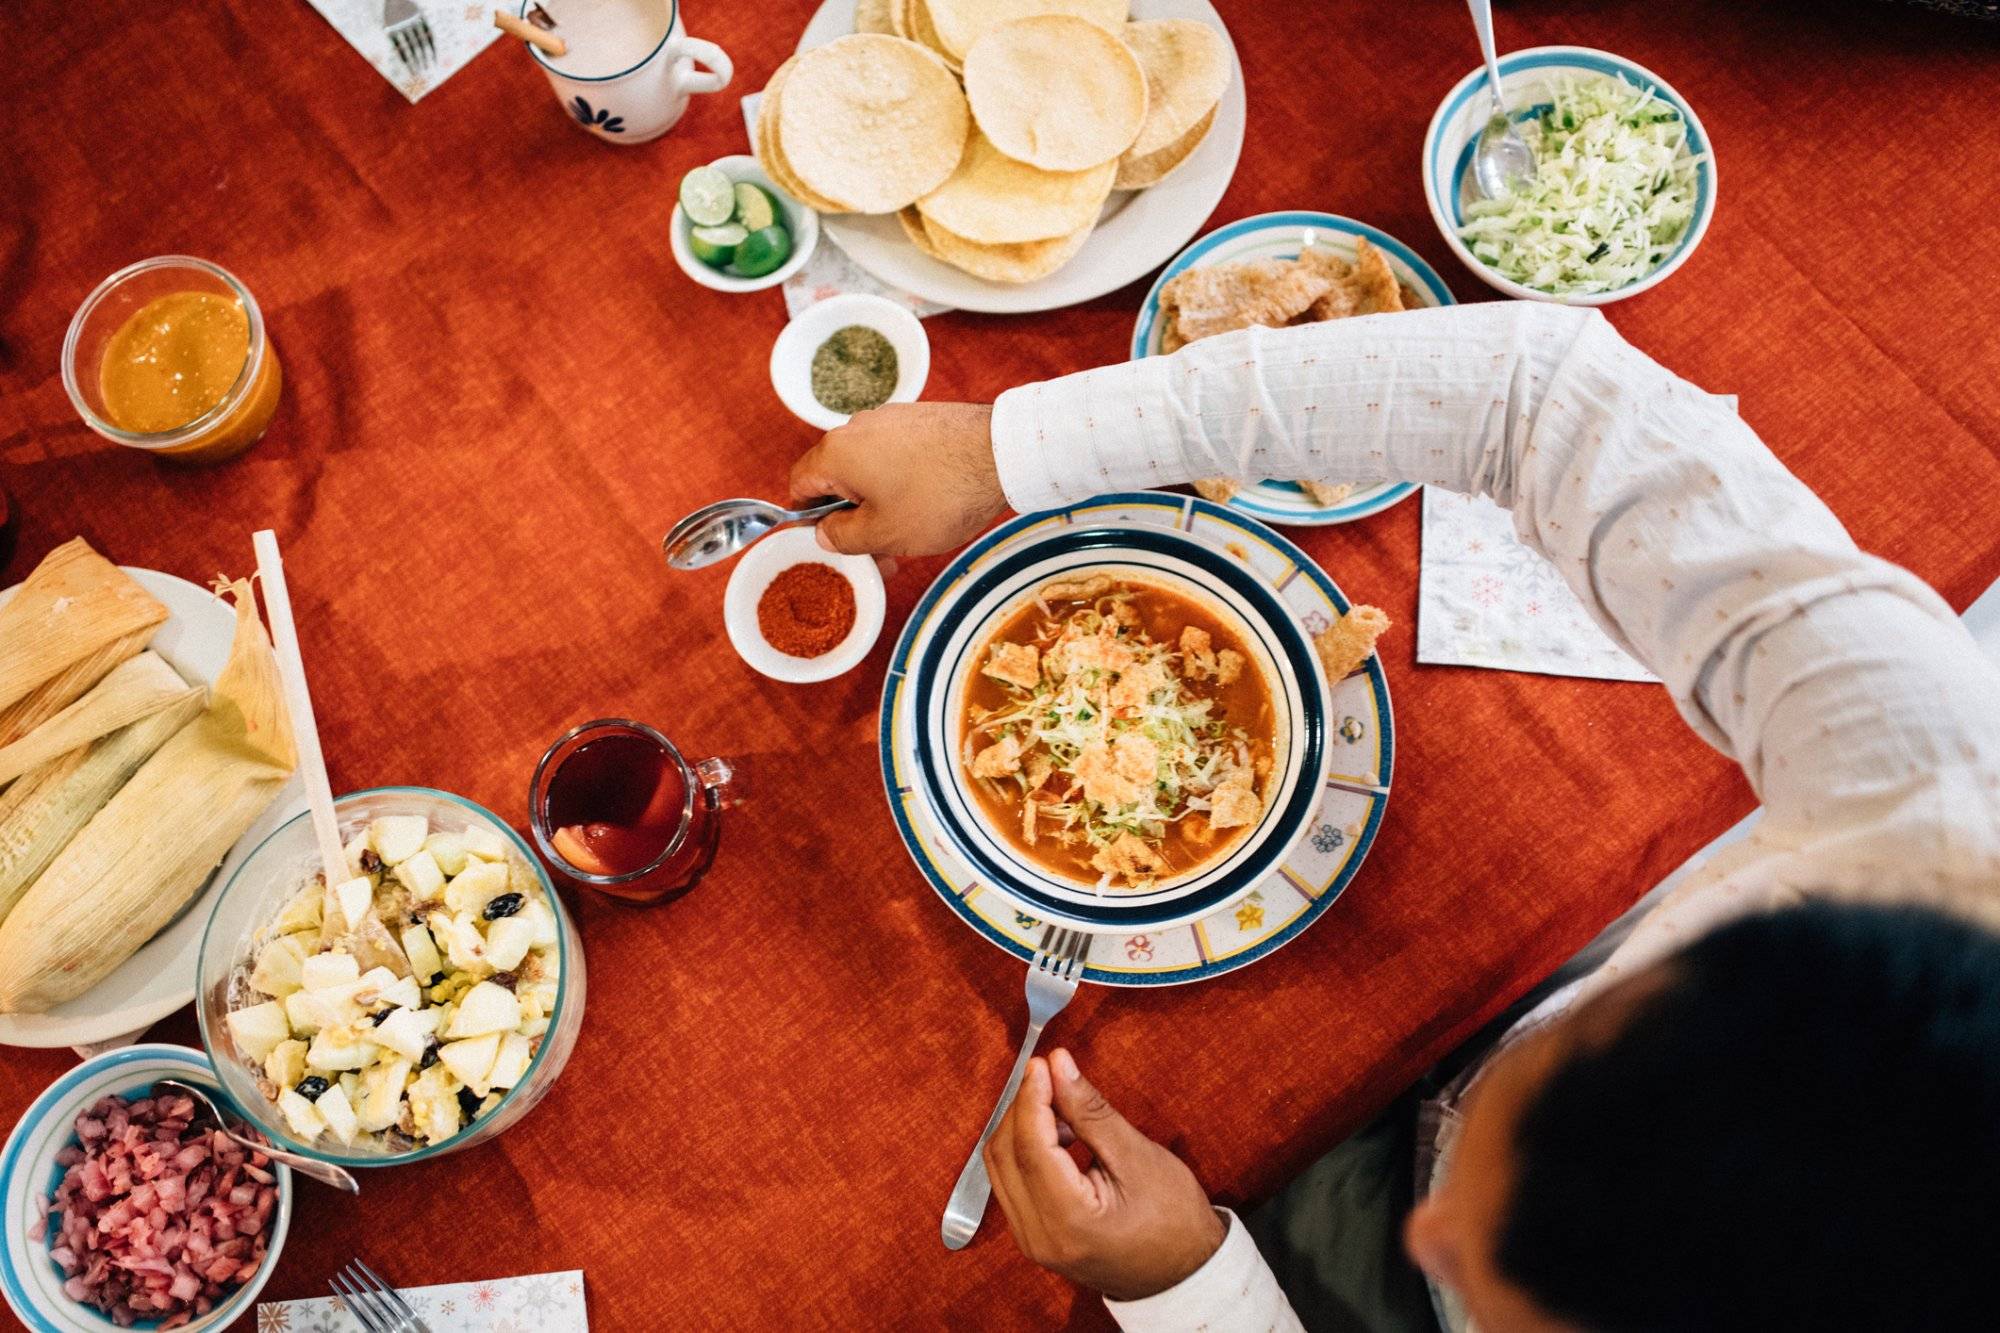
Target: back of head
1799, 1129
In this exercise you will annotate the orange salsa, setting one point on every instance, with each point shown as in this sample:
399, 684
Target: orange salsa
176, 359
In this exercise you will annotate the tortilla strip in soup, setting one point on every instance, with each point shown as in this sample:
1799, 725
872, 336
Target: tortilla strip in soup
1119, 732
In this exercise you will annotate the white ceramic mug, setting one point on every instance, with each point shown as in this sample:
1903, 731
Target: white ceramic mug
627, 77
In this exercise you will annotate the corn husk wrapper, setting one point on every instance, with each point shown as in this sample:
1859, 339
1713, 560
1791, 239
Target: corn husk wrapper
41, 812
66, 686
135, 688
75, 605
140, 858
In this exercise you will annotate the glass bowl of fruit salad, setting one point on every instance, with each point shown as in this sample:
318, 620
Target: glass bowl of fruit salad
422, 1003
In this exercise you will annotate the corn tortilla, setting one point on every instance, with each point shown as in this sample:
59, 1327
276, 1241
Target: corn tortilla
766, 147
993, 200
873, 16
1187, 71
1138, 172
873, 120
1005, 263
961, 23
1055, 92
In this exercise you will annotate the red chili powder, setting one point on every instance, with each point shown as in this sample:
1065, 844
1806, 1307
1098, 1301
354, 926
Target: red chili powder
807, 610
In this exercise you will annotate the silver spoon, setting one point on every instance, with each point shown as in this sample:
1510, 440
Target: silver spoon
718, 531
1502, 158
324, 1172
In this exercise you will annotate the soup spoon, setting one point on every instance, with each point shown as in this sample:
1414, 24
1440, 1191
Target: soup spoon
324, 1172
718, 531
1502, 159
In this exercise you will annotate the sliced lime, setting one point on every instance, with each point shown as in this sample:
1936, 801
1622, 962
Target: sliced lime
708, 197
755, 208
763, 251
716, 246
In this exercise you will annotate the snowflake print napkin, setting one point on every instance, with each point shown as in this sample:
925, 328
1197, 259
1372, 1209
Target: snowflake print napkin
1486, 600
830, 272
458, 33
544, 1303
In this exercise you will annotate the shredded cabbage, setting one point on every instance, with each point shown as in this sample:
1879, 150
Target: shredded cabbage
1613, 193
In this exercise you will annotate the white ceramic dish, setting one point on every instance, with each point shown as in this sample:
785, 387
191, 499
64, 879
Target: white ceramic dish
1282, 236
792, 354
1141, 230
753, 574
29, 1278
801, 221
1525, 79
159, 979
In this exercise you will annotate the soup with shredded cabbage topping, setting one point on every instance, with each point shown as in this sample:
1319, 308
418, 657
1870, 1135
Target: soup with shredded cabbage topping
1117, 732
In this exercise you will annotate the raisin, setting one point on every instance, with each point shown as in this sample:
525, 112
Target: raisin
468, 1102
370, 862
376, 1020
505, 905
505, 980
430, 1054
311, 1086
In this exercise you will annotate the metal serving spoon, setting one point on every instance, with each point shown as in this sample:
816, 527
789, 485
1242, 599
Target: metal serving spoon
718, 531
1502, 157
324, 1172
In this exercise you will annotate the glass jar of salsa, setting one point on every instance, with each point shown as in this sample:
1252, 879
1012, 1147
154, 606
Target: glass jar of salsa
170, 355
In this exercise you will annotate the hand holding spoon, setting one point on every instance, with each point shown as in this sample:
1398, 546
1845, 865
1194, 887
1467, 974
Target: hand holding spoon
718, 531
324, 1172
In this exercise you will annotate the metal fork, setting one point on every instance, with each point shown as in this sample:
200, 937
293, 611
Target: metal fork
410, 33
373, 1302
1052, 977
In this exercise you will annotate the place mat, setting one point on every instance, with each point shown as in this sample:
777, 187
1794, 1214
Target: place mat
459, 31
830, 272
1485, 599
543, 1303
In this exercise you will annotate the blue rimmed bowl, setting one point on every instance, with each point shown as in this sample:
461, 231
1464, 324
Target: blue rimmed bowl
1278, 646
1283, 236
1527, 79
29, 1278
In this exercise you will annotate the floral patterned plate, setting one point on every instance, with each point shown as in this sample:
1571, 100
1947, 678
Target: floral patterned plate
1291, 897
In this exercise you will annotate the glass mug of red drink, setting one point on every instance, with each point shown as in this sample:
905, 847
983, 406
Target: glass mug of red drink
615, 807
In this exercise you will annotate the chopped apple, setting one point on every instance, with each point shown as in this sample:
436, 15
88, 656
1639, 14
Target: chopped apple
355, 896
421, 875
511, 1062
422, 952
286, 1064
470, 1060
399, 837
359, 843
279, 966
303, 1012
301, 913
349, 1084
258, 1029
507, 942
535, 1027
537, 914
474, 887
334, 1108
464, 947
402, 1032
382, 1094
483, 1009
301, 1115
483, 842
328, 970
403, 992
434, 1104
448, 850
372, 986
338, 1048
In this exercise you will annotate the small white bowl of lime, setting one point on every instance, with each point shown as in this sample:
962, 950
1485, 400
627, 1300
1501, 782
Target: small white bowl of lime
735, 231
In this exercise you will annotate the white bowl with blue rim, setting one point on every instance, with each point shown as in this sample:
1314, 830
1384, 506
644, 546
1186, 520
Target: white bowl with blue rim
1277, 643
29, 1278
1283, 236
1527, 79
800, 221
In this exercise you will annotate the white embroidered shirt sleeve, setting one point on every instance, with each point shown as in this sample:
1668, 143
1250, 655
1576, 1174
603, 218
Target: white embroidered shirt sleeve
1234, 1292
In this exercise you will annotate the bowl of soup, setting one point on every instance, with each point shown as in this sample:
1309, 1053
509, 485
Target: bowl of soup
1124, 729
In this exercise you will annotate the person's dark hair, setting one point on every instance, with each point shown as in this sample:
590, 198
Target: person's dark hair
1799, 1130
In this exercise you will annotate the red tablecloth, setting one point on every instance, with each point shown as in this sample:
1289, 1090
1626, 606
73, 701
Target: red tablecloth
500, 391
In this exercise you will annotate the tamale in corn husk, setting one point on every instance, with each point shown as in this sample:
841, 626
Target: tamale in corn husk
153, 846
136, 688
75, 606
66, 686
41, 812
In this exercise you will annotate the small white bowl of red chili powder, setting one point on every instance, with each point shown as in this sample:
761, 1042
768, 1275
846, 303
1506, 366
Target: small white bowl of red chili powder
798, 613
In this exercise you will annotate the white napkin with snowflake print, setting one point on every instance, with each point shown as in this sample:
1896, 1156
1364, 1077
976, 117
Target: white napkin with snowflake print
543, 1303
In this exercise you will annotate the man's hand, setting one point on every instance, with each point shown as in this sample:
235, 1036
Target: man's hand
1132, 1225
922, 473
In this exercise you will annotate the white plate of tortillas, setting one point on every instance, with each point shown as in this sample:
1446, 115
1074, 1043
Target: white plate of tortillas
1027, 155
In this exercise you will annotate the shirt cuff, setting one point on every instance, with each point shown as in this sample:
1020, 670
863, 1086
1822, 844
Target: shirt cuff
1019, 453
1234, 1290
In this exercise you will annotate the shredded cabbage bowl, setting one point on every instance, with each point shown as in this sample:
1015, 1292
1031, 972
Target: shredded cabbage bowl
1613, 194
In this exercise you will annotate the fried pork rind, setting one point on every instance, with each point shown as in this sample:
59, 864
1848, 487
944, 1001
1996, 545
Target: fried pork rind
1346, 644
1223, 298
1327, 494
1218, 489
